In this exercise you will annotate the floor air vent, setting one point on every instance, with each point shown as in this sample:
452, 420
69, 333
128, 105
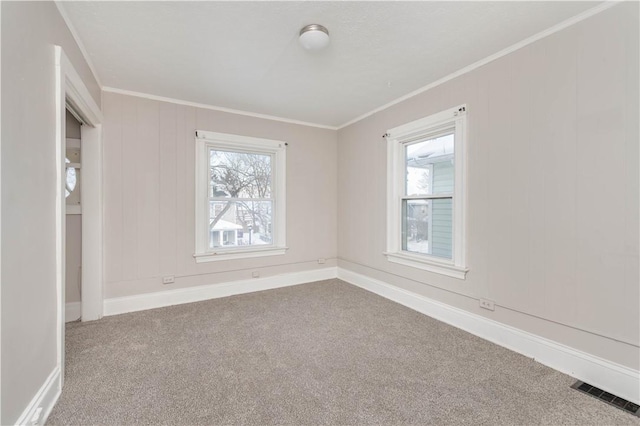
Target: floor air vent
610, 399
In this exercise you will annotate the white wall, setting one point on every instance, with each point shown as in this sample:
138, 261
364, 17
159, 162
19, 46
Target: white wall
552, 188
29, 32
149, 178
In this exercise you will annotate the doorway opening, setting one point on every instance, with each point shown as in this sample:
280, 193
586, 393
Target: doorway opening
72, 96
73, 231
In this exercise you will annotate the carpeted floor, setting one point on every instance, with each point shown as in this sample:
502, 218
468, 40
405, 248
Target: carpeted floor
319, 353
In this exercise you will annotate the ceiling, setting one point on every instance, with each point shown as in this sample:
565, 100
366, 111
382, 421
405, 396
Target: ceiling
246, 55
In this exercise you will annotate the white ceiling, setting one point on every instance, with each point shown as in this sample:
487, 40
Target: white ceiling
246, 56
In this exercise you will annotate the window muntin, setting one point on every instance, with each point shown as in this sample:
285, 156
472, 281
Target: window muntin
240, 208
425, 202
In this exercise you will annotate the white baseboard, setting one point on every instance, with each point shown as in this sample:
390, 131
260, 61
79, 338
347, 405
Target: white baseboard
72, 311
140, 302
611, 377
42, 403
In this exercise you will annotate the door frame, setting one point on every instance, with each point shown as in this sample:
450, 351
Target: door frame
72, 93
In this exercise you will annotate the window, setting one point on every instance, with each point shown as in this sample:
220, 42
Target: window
425, 200
240, 197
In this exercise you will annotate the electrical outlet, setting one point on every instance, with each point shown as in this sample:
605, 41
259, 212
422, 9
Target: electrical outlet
487, 304
255, 274
322, 261
169, 279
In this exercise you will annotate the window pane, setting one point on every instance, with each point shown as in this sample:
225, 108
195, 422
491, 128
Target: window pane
427, 227
239, 175
429, 166
240, 223
442, 228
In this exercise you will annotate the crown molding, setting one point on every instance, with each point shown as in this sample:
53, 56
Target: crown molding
214, 108
76, 37
527, 41
532, 39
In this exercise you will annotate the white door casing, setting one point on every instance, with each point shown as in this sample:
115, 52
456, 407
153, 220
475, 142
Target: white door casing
72, 93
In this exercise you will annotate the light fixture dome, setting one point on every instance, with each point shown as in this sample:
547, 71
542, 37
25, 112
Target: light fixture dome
314, 37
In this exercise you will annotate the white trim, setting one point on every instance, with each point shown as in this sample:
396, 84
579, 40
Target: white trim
609, 376
447, 269
0, 216
61, 75
527, 41
76, 37
75, 94
43, 401
545, 33
247, 143
71, 92
214, 108
444, 118
91, 194
205, 141
72, 311
397, 138
140, 302
255, 251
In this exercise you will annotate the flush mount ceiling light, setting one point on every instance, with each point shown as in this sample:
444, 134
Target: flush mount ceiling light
314, 37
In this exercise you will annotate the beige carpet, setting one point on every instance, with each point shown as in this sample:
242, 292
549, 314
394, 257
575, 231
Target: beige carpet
319, 353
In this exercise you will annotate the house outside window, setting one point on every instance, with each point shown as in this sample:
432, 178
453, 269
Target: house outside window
240, 197
426, 194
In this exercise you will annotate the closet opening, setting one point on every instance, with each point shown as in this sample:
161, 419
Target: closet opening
73, 228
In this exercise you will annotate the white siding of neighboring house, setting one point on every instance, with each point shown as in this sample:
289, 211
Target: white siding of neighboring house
442, 210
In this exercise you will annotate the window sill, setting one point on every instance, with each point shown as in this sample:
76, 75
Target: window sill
419, 262
230, 254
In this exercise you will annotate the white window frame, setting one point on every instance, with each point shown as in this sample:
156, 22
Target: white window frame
397, 138
205, 141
